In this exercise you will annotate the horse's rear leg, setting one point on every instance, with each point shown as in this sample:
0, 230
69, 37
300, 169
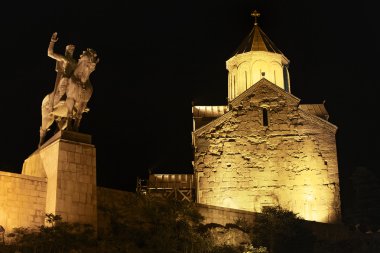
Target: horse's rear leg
77, 123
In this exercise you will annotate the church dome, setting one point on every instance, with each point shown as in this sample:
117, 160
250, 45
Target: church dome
257, 57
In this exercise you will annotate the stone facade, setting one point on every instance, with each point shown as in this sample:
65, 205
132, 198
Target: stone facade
22, 200
268, 151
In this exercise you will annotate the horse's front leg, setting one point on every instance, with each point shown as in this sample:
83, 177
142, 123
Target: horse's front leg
78, 116
70, 109
62, 123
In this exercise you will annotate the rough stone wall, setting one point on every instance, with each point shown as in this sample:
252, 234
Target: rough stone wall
292, 162
22, 200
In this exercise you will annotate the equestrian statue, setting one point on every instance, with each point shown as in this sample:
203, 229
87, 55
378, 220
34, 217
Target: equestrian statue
72, 91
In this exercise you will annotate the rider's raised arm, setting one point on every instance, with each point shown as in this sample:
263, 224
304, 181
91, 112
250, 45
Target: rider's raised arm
50, 51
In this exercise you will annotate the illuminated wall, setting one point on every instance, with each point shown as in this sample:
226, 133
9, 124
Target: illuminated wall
246, 69
22, 200
292, 162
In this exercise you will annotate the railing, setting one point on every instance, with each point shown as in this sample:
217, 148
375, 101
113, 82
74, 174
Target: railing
178, 186
169, 181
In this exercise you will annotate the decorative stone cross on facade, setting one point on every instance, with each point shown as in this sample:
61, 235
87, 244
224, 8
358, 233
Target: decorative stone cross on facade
255, 14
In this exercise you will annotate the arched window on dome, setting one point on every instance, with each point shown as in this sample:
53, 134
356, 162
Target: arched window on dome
286, 79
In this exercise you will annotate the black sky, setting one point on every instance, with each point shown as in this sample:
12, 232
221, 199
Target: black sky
156, 57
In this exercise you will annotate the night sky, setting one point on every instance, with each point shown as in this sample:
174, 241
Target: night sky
157, 57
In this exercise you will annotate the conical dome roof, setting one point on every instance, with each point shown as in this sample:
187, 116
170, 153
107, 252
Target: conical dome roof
257, 40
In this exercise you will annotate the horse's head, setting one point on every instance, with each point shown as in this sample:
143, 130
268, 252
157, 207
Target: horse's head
89, 55
88, 59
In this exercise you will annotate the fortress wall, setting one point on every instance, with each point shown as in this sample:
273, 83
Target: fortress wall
22, 200
223, 215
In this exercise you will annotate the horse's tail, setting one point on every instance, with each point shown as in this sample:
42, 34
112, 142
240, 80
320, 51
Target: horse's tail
46, 119
46, 101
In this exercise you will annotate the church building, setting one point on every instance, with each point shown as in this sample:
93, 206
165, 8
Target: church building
265, 148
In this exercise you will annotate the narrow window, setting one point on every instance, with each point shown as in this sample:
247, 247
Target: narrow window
265, 117
246, 80
229, 87
234, 87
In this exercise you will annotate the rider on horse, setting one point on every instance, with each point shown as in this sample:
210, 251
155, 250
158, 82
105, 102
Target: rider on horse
72, 90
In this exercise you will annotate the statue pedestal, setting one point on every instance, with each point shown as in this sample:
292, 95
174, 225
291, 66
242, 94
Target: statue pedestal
68, 161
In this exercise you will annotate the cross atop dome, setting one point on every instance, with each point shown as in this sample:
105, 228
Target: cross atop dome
255, 14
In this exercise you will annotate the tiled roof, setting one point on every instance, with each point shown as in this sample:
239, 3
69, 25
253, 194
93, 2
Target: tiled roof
315, 109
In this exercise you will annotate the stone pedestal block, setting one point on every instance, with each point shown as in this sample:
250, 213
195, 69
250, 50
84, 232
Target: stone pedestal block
68, 161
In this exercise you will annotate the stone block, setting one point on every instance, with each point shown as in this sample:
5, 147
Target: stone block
82, 197
71, 157
78, 149
77, 158
63, 156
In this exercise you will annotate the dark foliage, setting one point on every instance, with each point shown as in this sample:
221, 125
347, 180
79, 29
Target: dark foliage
365, 210
355, 244
140, 224
281, 231
153, 225
56, 237
225, 249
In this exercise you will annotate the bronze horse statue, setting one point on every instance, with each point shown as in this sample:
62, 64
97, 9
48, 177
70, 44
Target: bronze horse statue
67, 113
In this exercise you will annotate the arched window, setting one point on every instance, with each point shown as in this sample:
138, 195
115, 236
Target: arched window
286, 78
246, 80
234, 89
